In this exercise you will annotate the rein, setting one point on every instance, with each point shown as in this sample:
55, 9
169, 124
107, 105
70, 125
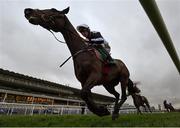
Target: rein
78, 52
56, 37
84, 50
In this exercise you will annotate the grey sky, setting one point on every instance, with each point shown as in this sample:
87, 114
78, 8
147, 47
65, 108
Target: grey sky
32, 50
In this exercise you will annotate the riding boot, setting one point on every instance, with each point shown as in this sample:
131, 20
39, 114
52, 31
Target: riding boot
109, 59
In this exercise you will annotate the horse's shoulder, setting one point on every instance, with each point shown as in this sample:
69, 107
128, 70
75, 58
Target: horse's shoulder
119, 62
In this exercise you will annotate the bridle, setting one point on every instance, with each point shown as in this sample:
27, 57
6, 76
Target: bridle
50, 20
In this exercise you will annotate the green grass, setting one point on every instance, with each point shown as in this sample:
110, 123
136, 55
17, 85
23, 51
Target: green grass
129, 120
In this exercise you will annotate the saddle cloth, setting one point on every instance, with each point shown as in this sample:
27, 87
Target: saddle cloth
106, 67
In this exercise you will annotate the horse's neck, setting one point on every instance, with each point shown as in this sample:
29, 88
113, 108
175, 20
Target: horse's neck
143, 97
72, 38
134, 96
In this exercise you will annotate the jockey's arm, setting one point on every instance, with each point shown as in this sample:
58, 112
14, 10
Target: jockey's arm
97, 38
97, 41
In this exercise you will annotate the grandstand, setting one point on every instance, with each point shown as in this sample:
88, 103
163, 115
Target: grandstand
18, 90
28, 95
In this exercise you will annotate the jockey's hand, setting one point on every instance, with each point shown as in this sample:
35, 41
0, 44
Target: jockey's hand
86, 40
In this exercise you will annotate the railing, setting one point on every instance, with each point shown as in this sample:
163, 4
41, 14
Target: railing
31, 109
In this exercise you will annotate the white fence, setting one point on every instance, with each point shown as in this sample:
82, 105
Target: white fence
30, 109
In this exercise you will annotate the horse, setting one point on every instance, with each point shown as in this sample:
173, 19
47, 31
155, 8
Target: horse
88, 68
140, 101
168, 107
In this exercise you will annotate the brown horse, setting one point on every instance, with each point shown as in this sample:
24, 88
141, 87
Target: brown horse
88, 68
140, 100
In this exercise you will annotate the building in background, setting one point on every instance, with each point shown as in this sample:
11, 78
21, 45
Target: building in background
18, 88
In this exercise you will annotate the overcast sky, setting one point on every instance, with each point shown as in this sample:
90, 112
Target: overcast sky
32, 50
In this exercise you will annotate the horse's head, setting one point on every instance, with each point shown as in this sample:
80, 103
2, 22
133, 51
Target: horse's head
136, 89
48, 18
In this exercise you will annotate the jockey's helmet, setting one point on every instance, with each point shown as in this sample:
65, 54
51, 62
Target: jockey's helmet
82, 26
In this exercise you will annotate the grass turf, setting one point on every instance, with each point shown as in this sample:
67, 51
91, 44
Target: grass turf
128, 120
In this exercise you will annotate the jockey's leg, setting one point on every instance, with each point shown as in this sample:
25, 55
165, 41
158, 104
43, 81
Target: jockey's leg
104, 53
108, 56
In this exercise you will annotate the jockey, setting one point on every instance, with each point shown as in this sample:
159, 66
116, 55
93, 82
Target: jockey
95, 38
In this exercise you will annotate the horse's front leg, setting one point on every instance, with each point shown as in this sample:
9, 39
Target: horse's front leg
138, 110
86, 95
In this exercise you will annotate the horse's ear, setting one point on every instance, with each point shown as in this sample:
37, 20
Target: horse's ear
65, 11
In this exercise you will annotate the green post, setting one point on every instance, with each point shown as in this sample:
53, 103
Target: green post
154, 15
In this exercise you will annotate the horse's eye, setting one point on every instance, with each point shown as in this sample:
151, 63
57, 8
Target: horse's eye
53, 9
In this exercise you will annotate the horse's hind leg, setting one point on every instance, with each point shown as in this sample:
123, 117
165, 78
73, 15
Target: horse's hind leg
111, 90
124, 83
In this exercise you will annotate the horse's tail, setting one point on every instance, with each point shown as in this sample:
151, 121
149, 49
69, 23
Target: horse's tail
132, 88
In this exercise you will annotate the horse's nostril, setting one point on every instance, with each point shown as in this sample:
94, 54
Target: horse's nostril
28, 11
